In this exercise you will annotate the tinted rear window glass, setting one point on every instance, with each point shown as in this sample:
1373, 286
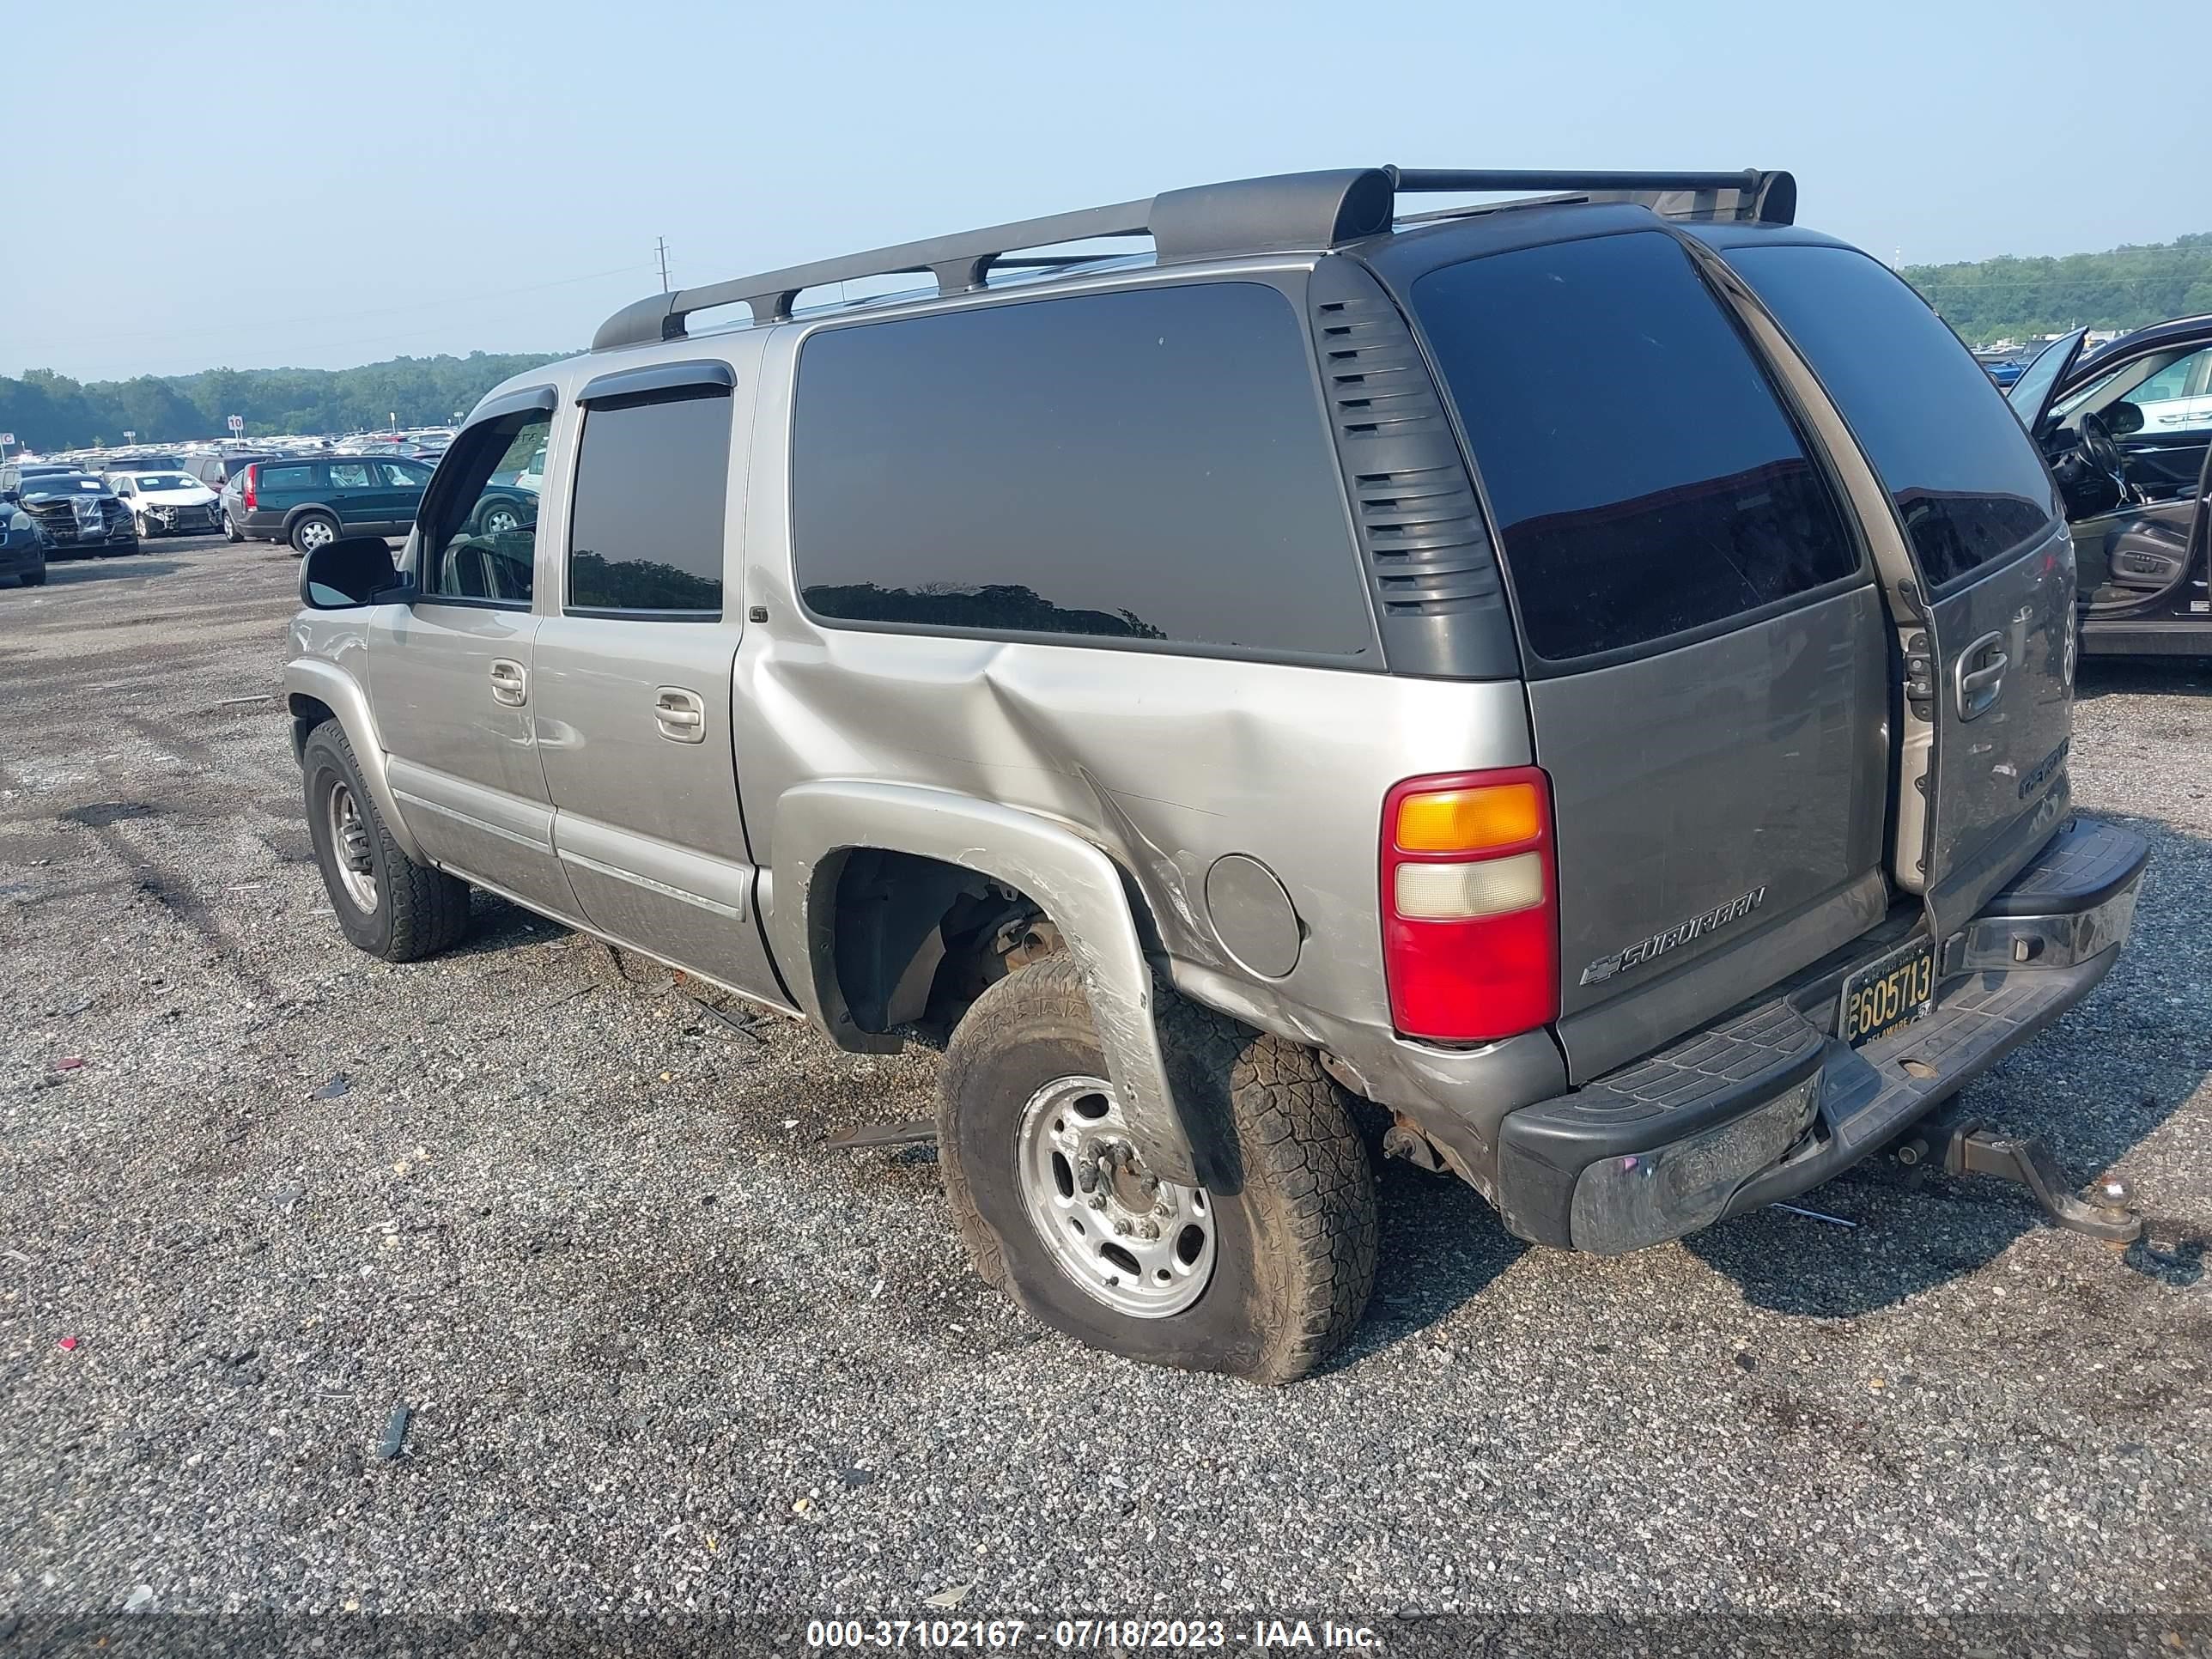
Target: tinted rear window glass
1142, 465
287, 477
1966, 480
1645, 479
645, 532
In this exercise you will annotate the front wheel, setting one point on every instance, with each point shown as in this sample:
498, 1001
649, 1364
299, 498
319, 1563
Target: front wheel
312, 530
388, 904
1261, 1273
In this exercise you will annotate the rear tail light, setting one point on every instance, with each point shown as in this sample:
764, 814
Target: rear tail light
246, 490
1471, 905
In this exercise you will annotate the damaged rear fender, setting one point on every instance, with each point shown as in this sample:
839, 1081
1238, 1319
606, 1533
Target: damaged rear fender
1079, 886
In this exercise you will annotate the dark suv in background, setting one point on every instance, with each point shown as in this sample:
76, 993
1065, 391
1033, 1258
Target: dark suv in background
310, 502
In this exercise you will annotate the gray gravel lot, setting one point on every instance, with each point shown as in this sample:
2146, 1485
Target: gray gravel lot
663, 1347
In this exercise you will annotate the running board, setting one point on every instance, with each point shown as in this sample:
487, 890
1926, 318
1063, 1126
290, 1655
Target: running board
1966, 1145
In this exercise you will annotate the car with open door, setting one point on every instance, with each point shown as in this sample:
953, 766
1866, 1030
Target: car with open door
2127, 430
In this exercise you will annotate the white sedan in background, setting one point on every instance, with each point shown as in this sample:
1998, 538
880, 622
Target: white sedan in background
168, 504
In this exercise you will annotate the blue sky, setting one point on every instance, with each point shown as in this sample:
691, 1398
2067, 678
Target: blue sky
359, 180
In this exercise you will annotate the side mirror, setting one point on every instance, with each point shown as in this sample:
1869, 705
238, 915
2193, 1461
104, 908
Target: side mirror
2124, 418
349, 571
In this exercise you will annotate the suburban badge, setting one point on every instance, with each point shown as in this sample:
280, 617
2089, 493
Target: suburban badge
1680, 934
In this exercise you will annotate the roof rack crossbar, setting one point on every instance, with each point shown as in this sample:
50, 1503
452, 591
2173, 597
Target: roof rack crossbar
1249, 215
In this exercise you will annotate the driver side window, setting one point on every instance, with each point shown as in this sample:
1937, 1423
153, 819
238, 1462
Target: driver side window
479, 539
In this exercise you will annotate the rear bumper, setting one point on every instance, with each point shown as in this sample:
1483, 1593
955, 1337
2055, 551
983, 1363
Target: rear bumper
1768, 1102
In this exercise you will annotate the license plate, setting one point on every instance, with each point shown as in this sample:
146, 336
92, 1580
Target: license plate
1895, 991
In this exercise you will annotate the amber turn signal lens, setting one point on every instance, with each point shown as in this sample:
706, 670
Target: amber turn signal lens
1469, 820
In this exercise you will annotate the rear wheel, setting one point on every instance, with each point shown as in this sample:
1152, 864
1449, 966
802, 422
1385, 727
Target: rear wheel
388, 904
230, 532
311, 531
1260, 1273
501, 519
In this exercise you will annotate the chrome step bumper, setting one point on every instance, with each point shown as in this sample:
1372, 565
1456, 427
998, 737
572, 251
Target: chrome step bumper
1768, 1102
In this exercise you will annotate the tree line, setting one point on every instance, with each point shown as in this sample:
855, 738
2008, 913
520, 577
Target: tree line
46, 410
1985, 300
2010, 298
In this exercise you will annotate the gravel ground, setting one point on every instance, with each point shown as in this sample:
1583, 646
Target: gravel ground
664, 1349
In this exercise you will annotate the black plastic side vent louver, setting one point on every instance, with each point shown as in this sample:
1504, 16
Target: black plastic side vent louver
1436, 583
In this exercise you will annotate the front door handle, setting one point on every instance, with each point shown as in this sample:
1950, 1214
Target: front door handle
681, 714
1977, 677
510, 681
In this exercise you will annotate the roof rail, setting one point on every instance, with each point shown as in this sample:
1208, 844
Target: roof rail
1288, 212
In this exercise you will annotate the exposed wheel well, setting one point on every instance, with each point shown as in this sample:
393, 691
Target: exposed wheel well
308, 714
917, 939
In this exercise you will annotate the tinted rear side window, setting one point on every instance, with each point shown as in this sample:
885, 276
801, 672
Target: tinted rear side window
288, 478
644, 531
1645, 479
1966, 480
1143, 465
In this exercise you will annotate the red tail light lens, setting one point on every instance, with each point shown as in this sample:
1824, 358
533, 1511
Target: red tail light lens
245, 490
1471, 905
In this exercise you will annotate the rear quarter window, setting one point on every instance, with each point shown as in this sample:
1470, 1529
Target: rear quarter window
1144, 466
1966, 480
287, 477
1646, 478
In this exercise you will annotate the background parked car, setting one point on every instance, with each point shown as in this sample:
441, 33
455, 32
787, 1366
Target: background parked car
2127, 429
309, 502
22, 546
167, 503
14, 474
216, 471
78, 512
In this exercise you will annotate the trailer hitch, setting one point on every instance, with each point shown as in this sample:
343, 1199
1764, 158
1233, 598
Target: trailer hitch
1966, 1145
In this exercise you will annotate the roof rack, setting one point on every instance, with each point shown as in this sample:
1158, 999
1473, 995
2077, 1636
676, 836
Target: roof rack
1286, 212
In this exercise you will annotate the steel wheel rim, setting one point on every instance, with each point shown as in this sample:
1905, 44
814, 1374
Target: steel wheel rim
313, 534
1132, 1241
350, 849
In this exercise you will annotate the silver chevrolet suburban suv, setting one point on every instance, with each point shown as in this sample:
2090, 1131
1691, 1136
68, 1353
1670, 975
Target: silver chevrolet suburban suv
1588, 675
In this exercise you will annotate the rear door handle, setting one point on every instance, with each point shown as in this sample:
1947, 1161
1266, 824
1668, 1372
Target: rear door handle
510, 682
1977, 688
681, 714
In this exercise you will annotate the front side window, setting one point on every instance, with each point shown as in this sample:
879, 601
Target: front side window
1967, 482
1145, 465
405, 474
479, 543
646, 524
1646, 478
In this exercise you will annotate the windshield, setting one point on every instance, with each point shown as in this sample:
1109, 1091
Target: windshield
163, 481
1967, 482
2026, 395
59, 484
